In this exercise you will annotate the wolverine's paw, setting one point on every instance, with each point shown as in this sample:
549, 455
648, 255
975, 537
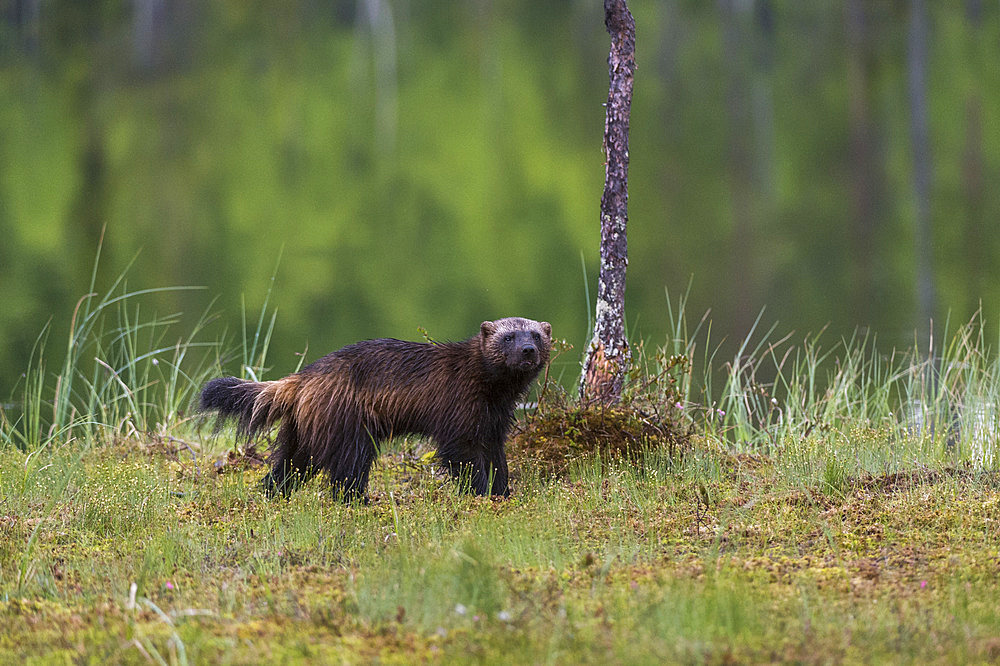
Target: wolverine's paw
351, 496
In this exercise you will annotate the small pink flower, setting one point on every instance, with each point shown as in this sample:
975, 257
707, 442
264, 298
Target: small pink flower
169, 585
678, 405
923, 584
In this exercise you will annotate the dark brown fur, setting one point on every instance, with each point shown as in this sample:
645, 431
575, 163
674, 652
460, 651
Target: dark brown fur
333, 414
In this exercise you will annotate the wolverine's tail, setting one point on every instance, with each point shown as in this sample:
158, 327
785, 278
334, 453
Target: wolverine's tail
254, 405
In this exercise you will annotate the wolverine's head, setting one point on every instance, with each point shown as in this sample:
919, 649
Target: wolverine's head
520, 345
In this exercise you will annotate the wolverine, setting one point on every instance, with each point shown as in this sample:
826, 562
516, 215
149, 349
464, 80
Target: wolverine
333, 414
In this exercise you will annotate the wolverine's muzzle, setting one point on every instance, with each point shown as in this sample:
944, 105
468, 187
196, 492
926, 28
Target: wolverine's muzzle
528, 357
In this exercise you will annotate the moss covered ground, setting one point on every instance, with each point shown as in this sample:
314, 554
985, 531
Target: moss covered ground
166, 551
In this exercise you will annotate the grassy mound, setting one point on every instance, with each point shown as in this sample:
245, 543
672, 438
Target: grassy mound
563, 433
650, 418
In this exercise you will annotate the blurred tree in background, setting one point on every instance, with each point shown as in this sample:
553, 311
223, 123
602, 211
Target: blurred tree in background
435, 165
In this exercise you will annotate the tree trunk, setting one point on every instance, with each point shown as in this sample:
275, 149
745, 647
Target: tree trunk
383, 29
608, 355
920, 136
740, 162
866, 169
148, 33
973, 176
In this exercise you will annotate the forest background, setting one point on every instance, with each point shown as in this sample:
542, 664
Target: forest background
436, 164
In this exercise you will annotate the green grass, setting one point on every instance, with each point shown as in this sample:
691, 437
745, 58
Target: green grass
832, 505
713, 558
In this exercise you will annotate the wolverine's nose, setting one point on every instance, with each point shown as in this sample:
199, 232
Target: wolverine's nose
528, 351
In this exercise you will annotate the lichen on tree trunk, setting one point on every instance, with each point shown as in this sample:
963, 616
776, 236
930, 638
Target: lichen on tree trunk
608, 355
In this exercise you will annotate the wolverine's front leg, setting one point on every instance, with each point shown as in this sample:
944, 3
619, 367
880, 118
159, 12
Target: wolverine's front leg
492, 473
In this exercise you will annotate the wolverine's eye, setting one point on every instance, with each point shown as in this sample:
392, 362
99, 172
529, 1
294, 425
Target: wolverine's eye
537, 337
509, 337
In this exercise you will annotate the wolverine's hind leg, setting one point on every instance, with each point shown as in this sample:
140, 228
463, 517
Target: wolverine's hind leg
288, 474
350, 468
291, 465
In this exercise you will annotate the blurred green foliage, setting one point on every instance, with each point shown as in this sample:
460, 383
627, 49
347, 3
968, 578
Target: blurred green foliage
434, 165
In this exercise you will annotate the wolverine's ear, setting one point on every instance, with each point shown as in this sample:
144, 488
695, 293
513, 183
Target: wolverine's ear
487, 328
547, 329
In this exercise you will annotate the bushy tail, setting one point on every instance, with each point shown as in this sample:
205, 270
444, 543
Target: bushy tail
237, 398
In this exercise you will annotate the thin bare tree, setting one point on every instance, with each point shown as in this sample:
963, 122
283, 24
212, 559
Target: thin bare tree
608, 357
